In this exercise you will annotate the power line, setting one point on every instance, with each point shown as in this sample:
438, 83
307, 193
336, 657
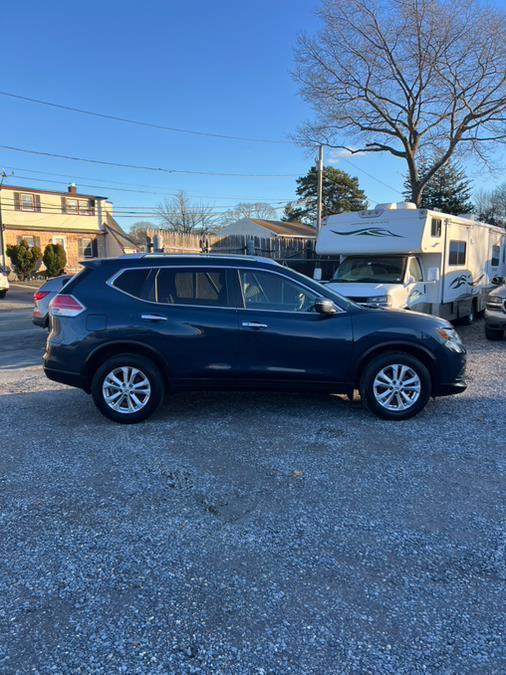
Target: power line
72, 177
143, 167
152, 125
184, 131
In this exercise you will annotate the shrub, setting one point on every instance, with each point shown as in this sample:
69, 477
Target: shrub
54, 259
25, 259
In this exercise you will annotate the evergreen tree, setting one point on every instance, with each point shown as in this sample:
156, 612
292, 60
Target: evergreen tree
341, 192
449, 190
25, 259
54, 259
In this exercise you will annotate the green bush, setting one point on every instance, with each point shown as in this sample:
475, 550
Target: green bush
25, 259
54, 259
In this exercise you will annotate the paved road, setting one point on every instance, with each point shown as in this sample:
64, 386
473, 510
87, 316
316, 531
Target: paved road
21, 343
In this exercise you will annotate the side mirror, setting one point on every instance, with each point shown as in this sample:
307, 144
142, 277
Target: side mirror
410, 280
325, 306
433, 274
498, 281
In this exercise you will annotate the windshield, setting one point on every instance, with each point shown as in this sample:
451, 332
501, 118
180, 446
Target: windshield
384, 270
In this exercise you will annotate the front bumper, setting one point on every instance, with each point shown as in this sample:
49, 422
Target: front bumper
452, 376
495, 319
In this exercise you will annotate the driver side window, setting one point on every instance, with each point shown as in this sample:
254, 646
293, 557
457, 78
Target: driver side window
263, 290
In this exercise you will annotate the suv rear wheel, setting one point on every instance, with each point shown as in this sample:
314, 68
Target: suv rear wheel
395, 386
127, 388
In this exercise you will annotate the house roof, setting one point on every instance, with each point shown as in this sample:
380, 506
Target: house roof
64, 193
285, 229
115, 229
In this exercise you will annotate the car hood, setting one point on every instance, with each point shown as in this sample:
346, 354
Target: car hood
362, 290
499, 292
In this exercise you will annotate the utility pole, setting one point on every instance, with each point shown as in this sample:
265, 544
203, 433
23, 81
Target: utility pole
3, 176
319, 204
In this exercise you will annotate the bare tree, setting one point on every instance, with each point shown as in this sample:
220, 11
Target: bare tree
260, 210
138, 231
413, 78
182, 215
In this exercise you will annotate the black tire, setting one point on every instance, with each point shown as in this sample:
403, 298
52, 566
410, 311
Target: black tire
150, 402
378, 364
470, 318
493, 333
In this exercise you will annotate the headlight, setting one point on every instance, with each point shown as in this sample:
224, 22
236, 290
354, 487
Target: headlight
495, 300
378, 301
450, 339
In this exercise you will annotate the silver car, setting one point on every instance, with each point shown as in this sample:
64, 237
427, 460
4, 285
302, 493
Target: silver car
43, 296
495, 313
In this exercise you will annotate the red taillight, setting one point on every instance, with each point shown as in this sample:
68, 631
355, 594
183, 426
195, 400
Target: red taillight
40, 295
65, 305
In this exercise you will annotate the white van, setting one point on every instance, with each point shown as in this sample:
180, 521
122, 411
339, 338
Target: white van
407, 258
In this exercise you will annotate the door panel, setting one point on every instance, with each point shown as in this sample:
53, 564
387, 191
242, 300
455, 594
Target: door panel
283, 338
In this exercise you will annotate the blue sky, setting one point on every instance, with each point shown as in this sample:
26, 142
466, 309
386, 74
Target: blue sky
221, 66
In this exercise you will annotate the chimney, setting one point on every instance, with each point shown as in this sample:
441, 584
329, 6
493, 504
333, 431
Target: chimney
72, 188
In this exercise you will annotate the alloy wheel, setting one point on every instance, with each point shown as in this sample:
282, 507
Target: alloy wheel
397, 387
126, 389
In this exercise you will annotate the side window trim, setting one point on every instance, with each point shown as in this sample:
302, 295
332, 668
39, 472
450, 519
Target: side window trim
283, 276
232, 271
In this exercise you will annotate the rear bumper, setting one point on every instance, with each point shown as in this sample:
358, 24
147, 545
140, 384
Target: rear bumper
42, 321
66, 377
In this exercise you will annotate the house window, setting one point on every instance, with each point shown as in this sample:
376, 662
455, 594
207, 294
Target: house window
457, 253
61, 241
71, 206
435, 230
82, 207
86, 248
31, 241
496, 255
27, 202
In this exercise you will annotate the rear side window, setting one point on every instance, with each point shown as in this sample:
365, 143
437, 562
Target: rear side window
457, 253
192, 287
435, 229
137, 282
496, 255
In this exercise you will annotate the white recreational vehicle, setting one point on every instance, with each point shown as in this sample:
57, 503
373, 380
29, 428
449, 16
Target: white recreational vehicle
399, 256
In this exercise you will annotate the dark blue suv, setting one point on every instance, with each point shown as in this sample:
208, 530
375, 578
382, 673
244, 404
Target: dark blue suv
130, 330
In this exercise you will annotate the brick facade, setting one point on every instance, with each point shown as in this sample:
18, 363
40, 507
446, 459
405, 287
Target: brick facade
72, 239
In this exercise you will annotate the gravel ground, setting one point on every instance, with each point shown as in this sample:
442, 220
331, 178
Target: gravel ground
244, 533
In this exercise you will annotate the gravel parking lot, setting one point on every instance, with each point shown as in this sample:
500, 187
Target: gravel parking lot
249, 533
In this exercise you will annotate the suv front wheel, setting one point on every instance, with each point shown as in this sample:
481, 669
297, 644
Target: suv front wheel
395, 386
127, 388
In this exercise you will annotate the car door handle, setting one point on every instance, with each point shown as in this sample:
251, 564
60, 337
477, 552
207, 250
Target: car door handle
253, 324
153, 317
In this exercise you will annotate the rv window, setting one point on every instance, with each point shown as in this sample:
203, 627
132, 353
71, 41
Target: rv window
414, 270
457, 253
496, 255
373, 269
435, 230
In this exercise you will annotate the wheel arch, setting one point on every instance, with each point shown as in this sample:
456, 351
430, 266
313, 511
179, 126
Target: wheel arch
421, 353
105, 351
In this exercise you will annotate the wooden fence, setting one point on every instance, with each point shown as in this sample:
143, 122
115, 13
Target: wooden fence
295, 252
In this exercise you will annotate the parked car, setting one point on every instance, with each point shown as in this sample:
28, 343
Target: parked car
43, 296
4, 281
495, 313
127, 330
